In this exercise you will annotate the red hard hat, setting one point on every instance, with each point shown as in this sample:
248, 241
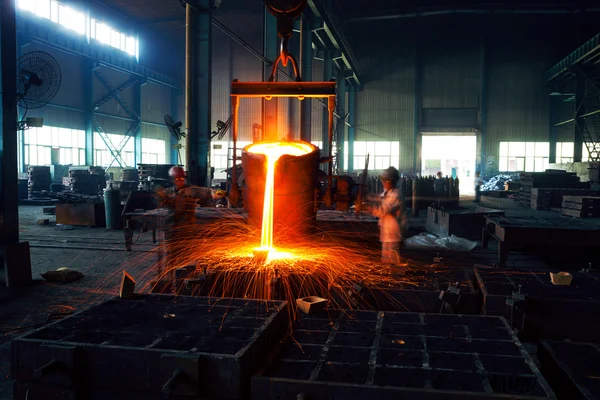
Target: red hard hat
177, 172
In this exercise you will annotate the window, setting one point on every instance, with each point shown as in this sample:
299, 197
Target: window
103, 156
51, 145
523, 156
111, 37
381, 155
564, 152
153, 151
76, 21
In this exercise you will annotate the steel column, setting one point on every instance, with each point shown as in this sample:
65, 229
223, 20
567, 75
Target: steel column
417, 110
270, 46
198, 91
306, 59
21, 41
173, 141
553, 130
483, 105
137, 133
351, 116
340, 125
327, 75
9, 209
579, 122
88, 95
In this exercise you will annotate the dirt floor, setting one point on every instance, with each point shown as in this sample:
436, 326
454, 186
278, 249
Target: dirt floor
100, 255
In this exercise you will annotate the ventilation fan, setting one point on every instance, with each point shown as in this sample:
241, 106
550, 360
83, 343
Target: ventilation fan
38, 79
175, 129
222, 128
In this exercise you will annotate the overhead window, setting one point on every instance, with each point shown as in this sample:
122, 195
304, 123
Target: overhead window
523, 156
105, 34
381, 154
564, 152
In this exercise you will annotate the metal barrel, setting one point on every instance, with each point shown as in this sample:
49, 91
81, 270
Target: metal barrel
294, 191
112, 208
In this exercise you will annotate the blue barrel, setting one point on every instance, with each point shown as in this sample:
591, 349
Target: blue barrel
112, 208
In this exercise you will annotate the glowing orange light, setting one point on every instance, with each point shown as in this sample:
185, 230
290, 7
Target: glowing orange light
273, 151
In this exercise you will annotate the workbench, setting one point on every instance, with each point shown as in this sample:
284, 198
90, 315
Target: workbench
512, 231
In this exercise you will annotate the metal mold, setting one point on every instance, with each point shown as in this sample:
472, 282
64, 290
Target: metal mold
537, 308
149, 346
368, 355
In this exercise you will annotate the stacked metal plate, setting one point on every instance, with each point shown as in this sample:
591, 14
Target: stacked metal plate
376, 355
148, 347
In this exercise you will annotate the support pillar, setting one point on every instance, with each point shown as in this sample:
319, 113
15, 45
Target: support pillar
553, 130
173, 143
417, 111
21, 41
579, 122
198, 90
327, 75
14, 256
483, 106
88, 95
340, 125
306, 59
351, 133
137, 133
270, 49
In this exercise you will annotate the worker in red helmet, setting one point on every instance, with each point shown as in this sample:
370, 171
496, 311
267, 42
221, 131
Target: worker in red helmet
181, 199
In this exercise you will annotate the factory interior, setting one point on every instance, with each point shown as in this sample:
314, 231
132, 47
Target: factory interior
299, 199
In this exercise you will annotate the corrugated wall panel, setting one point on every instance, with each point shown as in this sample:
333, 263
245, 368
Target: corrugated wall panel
156, 102
54, 116
518, 104
221, 79
451, 75
566, 111
247, 68
318, 109
385, 106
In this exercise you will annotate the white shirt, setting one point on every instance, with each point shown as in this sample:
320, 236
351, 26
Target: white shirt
392, 216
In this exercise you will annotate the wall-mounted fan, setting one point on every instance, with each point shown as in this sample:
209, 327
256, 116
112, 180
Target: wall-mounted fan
175, 129
38, 80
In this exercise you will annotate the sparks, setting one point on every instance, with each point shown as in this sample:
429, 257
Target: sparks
273, 151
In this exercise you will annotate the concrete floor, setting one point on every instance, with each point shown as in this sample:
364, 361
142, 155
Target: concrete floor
100, 255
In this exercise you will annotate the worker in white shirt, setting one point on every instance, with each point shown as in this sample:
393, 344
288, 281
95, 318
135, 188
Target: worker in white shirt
478, 182
390, 210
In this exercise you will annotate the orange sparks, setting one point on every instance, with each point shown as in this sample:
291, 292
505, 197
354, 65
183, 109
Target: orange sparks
273, 151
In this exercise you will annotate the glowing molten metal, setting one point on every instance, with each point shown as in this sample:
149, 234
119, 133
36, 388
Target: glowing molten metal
273, 151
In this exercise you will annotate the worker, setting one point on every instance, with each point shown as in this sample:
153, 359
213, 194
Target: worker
393, 223
439, 189
478, 182
181, 200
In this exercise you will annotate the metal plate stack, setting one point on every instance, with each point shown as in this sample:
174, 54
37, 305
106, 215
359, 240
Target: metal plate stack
385, 356
160, 171
150, 347
38, 180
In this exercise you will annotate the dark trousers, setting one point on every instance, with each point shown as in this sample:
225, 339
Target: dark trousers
477, 193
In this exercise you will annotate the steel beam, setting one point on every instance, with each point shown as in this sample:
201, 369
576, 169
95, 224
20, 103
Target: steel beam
589, 48
332, 28
198, 91
417, 109
340, 126
175, 151
327, 75
306, 59
21, 41
41, 33
270, 46
553, 131
483, 105
88, 96
351, 133
579, 127
137, 133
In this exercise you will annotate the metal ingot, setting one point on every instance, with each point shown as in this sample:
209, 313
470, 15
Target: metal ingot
311, 304
561, 278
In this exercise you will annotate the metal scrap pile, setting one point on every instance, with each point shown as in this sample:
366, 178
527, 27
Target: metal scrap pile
497, 182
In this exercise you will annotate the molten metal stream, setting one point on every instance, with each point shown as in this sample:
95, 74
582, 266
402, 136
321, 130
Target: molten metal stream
273, 151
